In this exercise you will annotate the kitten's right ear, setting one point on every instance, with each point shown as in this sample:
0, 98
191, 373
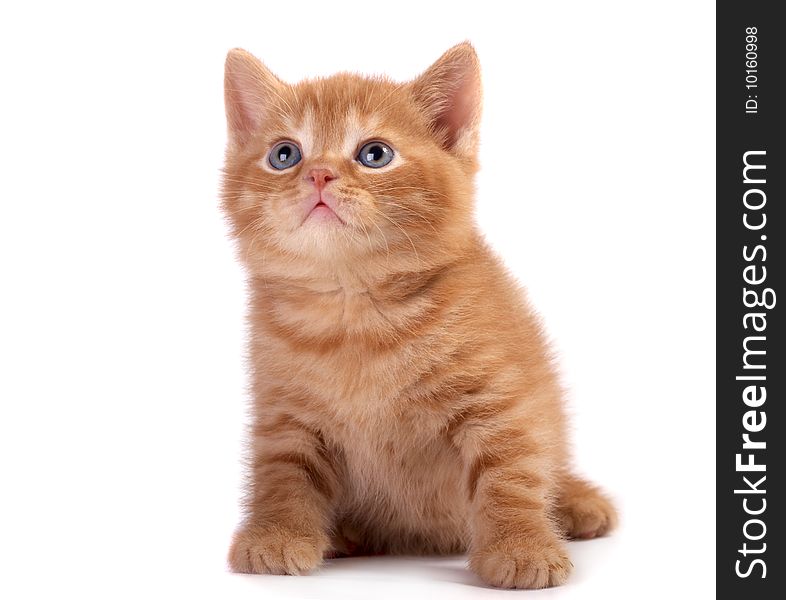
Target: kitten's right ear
249, 87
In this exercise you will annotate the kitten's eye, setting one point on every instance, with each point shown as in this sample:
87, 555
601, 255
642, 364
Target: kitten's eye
375, 155
284, 155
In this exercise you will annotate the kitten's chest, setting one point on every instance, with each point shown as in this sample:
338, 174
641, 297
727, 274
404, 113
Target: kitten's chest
345, 348
402, 476
369, 372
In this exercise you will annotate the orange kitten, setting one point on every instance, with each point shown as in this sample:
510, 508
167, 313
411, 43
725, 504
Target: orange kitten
404, 400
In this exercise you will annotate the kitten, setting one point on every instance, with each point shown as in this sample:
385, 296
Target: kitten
404, 399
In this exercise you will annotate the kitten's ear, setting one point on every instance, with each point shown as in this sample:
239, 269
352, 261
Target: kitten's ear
450, 94
249, 88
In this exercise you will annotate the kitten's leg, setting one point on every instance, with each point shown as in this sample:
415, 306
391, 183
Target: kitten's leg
514, 542
582, 510
290, 506
345, 542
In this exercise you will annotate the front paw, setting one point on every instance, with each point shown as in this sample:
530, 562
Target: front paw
522, 563
275, 550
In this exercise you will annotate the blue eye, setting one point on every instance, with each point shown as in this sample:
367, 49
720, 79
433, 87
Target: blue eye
284, 155
375, 155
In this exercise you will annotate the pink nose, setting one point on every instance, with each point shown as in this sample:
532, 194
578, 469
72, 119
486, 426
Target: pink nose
320, 177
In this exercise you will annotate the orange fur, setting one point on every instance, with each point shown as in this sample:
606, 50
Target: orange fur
404, 399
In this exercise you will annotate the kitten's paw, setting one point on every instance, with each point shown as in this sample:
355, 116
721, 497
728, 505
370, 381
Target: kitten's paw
583, 512
520, 563
275, 550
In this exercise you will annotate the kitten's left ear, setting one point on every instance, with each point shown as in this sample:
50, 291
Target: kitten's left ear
450, 94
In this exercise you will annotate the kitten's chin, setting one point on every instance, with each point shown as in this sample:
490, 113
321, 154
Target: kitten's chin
324, 237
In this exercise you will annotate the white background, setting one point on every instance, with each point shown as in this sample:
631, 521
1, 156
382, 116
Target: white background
121, 306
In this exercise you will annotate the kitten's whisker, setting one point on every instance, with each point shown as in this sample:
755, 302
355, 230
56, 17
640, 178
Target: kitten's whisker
368, 237
248, 180
384, 239
242, 209
412, 212
425, 192
392, 222
255, 223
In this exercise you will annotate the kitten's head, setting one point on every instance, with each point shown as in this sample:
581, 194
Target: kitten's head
348, 170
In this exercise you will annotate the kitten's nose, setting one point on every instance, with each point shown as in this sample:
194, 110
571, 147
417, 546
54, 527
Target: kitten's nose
320, 177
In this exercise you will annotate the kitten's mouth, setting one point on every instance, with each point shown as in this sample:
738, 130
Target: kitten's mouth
323, 211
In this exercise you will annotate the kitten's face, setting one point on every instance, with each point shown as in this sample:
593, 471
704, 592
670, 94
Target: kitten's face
338, 169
